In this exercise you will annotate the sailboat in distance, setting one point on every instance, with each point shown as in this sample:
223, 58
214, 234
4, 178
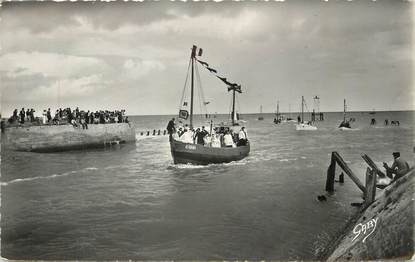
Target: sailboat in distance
260, 113
345, 124
186, 152
303, 125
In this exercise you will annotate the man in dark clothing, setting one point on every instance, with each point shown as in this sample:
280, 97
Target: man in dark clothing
171, 127
22, 115
399, 167
48, 115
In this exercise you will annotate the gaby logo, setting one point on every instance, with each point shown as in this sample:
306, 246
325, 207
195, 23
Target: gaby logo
365, 229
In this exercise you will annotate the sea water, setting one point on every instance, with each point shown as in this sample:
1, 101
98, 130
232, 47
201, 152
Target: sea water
131, 202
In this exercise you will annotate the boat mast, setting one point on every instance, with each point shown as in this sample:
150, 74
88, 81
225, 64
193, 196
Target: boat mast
192, 57
302, 109
278, 109
344, 111
233, 107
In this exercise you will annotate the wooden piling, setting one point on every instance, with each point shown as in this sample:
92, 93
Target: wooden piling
331, 173
348, 171
370, 193
341, 178
372, 165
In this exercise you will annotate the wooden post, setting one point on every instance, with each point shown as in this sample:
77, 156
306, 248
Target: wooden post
348, 171
370, 193
331, 173
372, 164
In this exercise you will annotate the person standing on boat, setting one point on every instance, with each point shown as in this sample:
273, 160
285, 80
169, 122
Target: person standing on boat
171, 127
242, 137
228, 140
399, 167
187, 136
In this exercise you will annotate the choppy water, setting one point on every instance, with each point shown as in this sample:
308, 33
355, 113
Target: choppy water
131, 202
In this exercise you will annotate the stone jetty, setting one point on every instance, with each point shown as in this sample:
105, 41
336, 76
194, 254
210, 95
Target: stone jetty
383, 230
51, 138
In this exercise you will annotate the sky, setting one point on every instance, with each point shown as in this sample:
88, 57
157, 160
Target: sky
135, 55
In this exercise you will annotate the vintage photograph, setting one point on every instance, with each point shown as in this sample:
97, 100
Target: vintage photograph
207, 130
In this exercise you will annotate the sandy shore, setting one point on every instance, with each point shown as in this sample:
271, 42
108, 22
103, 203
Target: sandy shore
384, 230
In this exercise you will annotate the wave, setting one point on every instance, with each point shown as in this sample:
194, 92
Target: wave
20, 180
190, 166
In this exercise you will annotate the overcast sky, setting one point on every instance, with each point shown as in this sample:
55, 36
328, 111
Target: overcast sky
135, 55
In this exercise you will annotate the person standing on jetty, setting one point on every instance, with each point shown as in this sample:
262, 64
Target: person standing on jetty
399, 167
171, 127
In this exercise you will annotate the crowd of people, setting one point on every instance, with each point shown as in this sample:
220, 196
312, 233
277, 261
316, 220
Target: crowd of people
219, 137
76, 117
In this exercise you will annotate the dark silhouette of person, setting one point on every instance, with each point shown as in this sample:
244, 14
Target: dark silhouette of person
171, 127
22, 116
48, 115
399, 167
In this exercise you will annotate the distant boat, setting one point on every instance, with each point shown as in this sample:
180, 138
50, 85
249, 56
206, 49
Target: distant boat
278, 117
189, 153
345, 124
307, 126
260, 113
373, 112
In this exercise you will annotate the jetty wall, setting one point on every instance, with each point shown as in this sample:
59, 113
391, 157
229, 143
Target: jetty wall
383, 230
50, 138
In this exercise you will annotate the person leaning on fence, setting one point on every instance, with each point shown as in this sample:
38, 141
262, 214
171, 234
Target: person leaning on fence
399, 167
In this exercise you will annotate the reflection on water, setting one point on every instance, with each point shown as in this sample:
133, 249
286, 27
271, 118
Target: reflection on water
130, 201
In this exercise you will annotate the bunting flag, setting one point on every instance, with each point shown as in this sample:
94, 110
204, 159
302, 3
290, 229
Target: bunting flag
212, 70
206, 103
196, 50
203, 63
183, 114
231, 86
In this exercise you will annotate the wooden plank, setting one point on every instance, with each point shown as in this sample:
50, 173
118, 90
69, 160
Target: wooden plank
372, 164
331, 172
370, 194
348, 171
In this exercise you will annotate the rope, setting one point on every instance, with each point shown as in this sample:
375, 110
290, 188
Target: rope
185, 84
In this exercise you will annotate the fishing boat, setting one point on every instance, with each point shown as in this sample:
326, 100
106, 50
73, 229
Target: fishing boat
289, 119
278, 117
260, 113
307, 126
190, 153
344, 125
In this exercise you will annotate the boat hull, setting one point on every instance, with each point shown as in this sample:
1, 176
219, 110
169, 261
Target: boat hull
184, 153
305, 127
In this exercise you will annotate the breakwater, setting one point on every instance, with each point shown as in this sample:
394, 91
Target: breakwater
383, 230
51, 138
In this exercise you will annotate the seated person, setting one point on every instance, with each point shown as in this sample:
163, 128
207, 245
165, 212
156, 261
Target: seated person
399, 167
